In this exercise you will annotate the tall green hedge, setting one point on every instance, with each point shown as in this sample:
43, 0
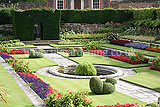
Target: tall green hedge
24, 21
143, 14
5, 15
96, 16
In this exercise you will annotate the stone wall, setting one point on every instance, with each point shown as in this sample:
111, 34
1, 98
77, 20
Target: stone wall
6, 27
135, 5
86, 28
27, 5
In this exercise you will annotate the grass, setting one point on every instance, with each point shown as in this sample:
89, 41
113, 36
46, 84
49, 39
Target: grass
149, 53
62, 85
98, 59
55, 45
146, 77
17, 96
35, 63
26, 46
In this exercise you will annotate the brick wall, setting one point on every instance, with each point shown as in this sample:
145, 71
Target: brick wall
135, 5
28, 5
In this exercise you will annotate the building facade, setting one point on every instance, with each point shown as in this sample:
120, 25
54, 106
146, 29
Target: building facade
78, 4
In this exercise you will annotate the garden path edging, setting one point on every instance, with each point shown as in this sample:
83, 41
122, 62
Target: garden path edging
35, 99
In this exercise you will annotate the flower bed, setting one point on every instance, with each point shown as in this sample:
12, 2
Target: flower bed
39, 86
153, 49
18, 51
119, 42
5, 55
136, 45
153, 68
114, 53
120, 105
97, 51
126, 59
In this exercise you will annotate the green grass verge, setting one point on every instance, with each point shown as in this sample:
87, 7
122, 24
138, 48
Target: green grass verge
17, 96
146, 77
26, 46
55, 45
98, 59
62, 85
35, 63
150, 53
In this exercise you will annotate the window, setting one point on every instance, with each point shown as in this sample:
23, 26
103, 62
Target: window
96, 4
60, 4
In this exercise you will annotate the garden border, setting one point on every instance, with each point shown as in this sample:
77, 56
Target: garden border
35, 99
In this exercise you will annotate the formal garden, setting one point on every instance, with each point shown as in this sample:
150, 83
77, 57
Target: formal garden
114, 66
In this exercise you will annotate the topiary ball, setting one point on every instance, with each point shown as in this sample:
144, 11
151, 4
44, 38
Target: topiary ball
85, 69
108, 88
96, 85
111, 80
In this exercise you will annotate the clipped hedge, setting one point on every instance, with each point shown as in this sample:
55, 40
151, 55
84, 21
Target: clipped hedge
143, 14
24, 22
96, 16
5, 15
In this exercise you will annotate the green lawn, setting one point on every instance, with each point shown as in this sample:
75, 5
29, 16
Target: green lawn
26, 46
17, 96
146, 77
62, 85
55, 45
35, 63
98, 59
150, 53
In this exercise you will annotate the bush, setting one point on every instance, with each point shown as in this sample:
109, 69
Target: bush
112, 36
72, 52
119, 42
79, 52
35, 54
108, 88
111, 80
70, 99
96, 85
5, 16
93, 45
85, 69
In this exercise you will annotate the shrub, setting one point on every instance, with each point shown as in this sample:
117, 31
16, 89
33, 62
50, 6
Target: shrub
72, 52
79, 52
119, 42
108, 88
85, 69
35, 54
96, 85
70, 99
111, 80
93, 45
112, 36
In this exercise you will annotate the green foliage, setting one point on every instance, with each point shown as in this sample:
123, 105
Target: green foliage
106, 30
156, 62
143, 14
35, 53
4, 49
108, 88
19, 65
111, 80
112, 36
84, 36
96, 85
5, 15
12, 43
72, 52
67, 42
85, 69
70, 99
24, 21
138, 56
79, 52
93, 45
100, 16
